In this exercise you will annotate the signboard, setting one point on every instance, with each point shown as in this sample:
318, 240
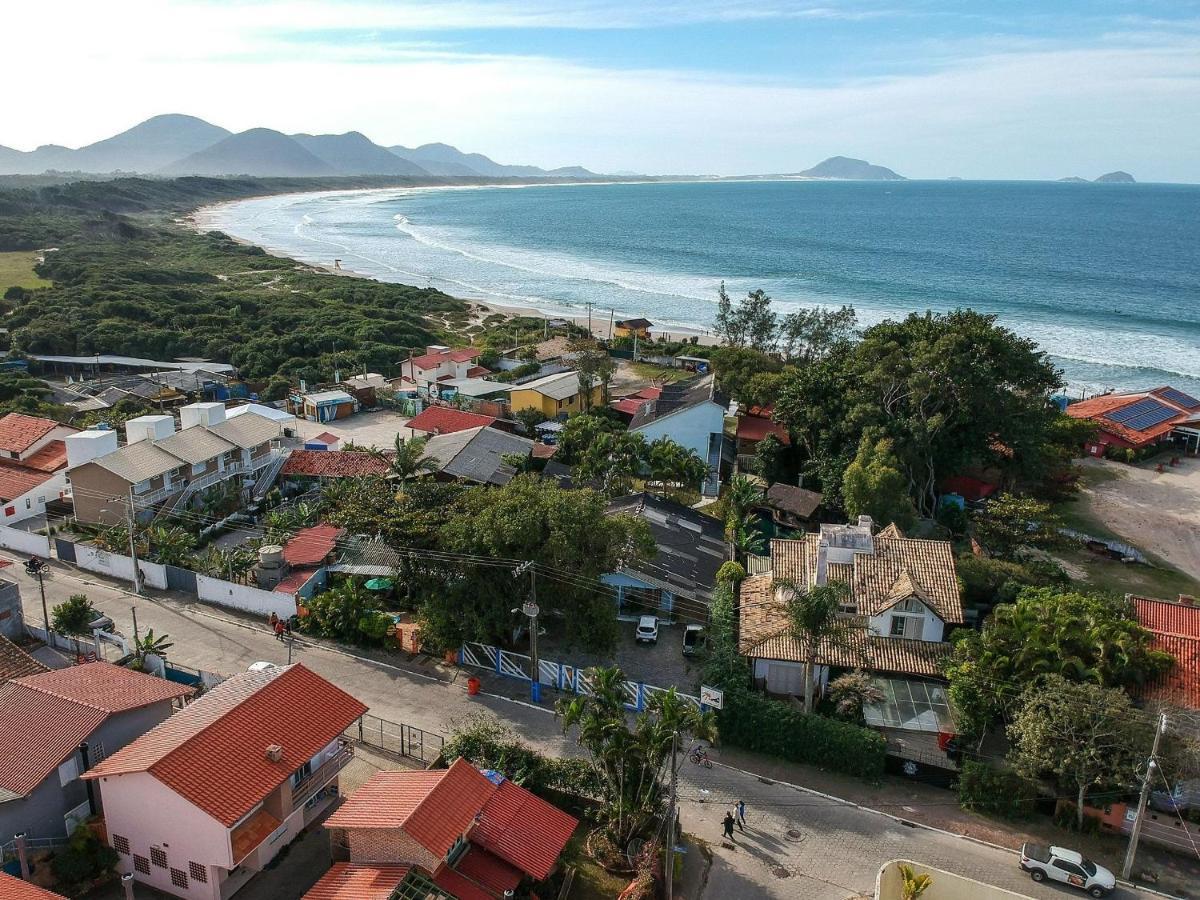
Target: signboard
711, 696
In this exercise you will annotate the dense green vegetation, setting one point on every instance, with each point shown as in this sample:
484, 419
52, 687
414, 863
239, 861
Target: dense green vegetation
128, 280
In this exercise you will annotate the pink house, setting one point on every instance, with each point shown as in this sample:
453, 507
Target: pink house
198, 805
438, 363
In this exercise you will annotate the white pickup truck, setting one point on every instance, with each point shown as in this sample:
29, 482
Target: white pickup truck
1059, 864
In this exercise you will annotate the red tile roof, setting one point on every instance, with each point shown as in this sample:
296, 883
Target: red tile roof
335, 464
325, 437
478, 371
755, 428
15, 889
310, 546
16, 480
1176, 629
1101, 407
443, 420
49, 458
104, 686
37, 732
490, 870
19, 432
15, 662
436, 807
458, 886
294, 580
352, 881
433, 360
213, 752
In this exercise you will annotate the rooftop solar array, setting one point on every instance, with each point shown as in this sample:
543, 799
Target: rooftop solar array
1143, 414
1179, 397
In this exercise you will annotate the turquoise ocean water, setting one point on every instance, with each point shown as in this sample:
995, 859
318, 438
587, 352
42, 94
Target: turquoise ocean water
1106, 278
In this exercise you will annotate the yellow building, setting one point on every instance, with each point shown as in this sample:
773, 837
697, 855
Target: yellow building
630, 327
554, 395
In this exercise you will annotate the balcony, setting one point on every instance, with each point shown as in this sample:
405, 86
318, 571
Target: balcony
304, 790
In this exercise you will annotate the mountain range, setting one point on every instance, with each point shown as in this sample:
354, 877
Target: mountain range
173, 145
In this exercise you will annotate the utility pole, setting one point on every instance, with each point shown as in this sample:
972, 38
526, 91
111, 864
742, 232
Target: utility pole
611, 313
589, 306
532, 610
132, 525
36, 567
670, 873
1151, 768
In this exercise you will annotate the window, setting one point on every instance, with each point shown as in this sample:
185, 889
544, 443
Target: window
198, 468
1069, 868
179, 878
142, 486
121, 844
897, 626
28, 503
198, 872
141, 864
68, 771
158, 856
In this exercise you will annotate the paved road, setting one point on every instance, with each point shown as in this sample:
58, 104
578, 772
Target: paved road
798, 844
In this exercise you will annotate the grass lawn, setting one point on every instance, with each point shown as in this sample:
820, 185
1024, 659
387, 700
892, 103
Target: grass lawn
659, 373
592, 882
16, 270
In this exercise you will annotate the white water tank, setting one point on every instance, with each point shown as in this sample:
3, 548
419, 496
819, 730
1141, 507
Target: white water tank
271, 566
149, 428
84, 446
201, 414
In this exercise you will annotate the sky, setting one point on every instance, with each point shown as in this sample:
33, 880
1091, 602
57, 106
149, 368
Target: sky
930, 88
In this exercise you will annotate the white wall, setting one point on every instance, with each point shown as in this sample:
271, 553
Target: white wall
115, 564
244, 597
931, 626
24, 541
689, 427
33, 503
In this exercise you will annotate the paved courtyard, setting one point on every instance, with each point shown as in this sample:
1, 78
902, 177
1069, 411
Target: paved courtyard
376, 428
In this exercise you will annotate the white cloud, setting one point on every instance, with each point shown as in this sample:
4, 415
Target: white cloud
1024, 111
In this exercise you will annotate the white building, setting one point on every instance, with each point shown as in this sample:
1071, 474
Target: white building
33, 464
691, 414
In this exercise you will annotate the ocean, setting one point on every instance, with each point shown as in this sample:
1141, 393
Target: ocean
1106, 278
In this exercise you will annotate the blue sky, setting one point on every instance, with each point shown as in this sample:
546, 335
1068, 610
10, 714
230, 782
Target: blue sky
929, 87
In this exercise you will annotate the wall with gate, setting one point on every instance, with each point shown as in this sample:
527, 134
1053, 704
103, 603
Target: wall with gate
243, 597
24, 541
559, 675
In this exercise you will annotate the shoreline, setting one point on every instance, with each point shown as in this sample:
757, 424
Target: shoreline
201, 220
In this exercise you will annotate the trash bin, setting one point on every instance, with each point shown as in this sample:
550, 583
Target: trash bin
472, 686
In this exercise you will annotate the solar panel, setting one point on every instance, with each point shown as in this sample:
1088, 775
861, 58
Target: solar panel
1185, 400
1141, 415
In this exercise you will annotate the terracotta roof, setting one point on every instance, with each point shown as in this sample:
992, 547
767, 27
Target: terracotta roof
796, 500
294, 580
478, 371
436, 807
49, 458
765, 634
326, 437
489, 870
442, 420
16, 480
335, 464
1176, 629
311, 546
12, 888
19, 432
459, 886
874, 573
1101, 409
544, 451
213, 751
37, 732
755, 428
15, 662
352, 881
104, 686
433, 360
891, 531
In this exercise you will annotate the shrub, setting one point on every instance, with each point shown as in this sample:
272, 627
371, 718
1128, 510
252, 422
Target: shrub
757, 723
986, 789
374, 626
488, 744
84, 858
730, 573
73, 615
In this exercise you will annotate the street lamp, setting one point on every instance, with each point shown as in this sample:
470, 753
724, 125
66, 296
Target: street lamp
530, 609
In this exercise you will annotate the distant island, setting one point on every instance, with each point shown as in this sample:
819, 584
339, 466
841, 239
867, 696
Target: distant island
845, 168
174, 145
1117, 177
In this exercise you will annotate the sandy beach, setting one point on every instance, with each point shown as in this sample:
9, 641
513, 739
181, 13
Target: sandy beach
206, 218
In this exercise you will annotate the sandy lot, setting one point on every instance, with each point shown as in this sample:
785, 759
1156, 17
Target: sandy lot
367, 429
1159, 513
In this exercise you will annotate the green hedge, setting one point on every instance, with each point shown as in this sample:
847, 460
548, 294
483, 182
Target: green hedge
757, 723
998, 792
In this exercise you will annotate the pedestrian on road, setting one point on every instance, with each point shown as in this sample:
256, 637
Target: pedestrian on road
728, 823
279, 630
273, 621
741, 814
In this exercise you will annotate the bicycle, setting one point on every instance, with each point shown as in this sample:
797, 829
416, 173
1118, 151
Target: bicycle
699, 757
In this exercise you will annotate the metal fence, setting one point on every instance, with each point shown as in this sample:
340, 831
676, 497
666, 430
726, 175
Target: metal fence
397, 737
561, 676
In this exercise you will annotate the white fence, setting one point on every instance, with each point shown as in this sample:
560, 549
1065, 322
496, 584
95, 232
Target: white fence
96, 560
244, 597
558, 675
24, 541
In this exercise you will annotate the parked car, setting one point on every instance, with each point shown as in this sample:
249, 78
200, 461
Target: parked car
693, 639
647, 630
1067, 866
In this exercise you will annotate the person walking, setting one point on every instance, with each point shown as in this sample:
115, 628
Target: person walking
740, 808
727, 822
279, 630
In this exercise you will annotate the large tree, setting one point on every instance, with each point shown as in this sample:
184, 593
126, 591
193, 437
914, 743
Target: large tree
808, 334
874, 485
1083, 638
566, 533
1084, 735
751, 323
736, 370
1009, 523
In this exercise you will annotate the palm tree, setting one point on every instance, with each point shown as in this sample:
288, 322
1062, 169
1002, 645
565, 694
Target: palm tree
169, 545
409, 460
741, 498
817, 623
913, 885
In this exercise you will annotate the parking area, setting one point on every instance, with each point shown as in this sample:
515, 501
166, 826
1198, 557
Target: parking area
366, 429
662, 664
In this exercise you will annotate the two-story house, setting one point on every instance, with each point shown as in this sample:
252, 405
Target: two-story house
159, 468
440, 363
691, 414
553, 395
55, 724
208, 798
33, 463
477, 835
901, 594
